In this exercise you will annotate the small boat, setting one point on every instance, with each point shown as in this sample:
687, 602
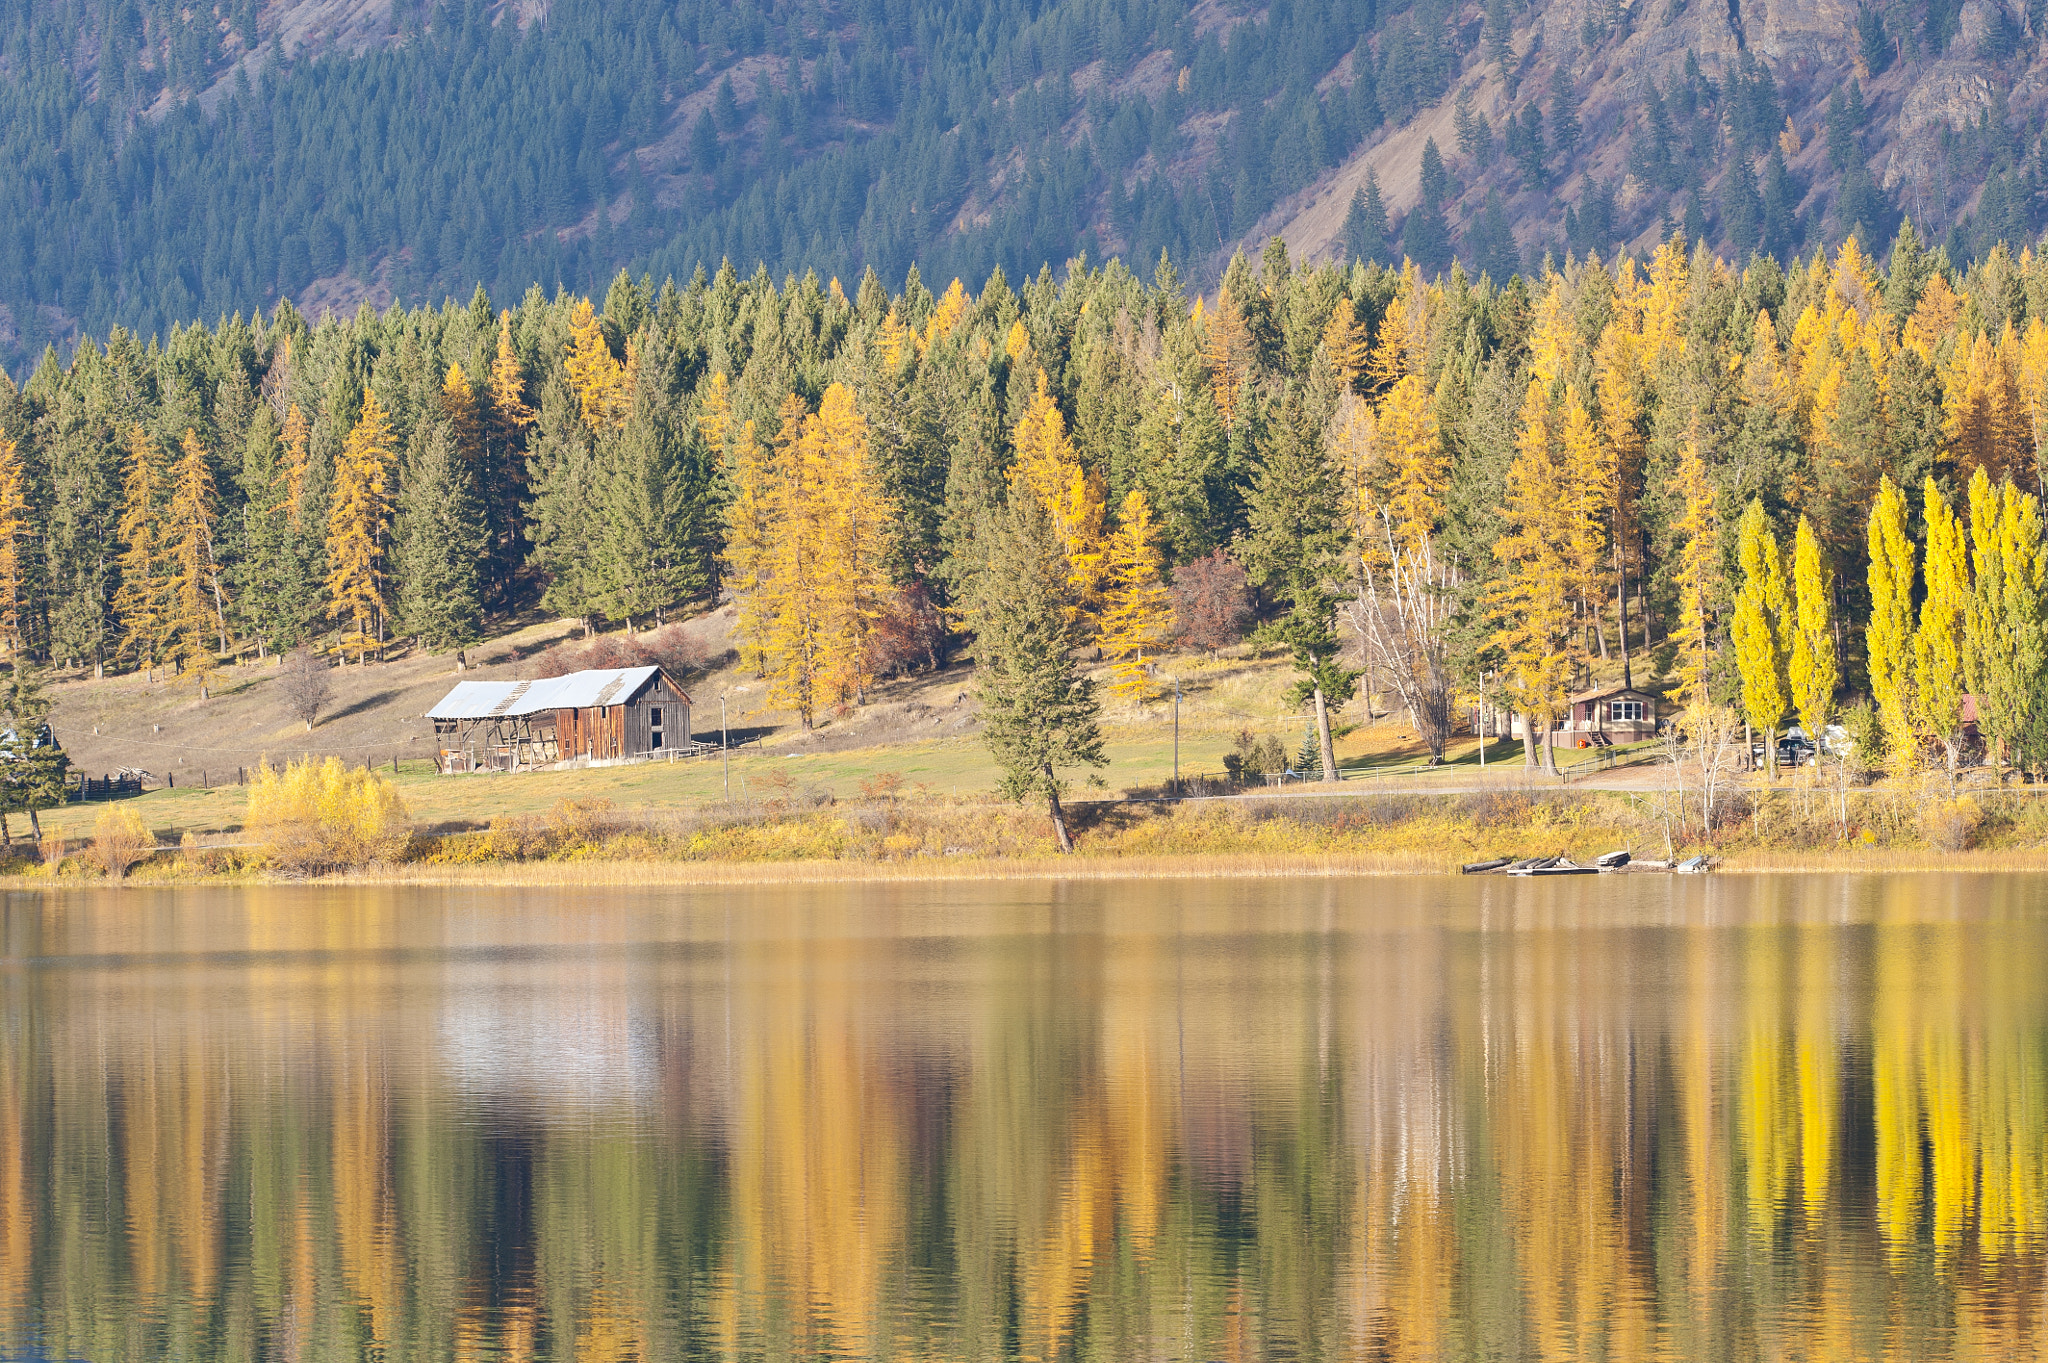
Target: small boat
1691, 866
1480, 868
1610, 861
1554, 866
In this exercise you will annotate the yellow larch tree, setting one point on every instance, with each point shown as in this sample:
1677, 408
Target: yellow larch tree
16, 539
1983, 417
861, 532
1619, 380
1699, 530
139, 600
1888, 642
510, 416
1416, 464
1137, 614
297, 447
2031, 373
198, 609
1664, 305
1934, 318
1346, 345
599, 382
1228, 355
1047, 468
1552, 337
1588, 465
465, 423
1403, 338
714, 412
895, 340
796, 625
945, 317
1532, 607
358, 523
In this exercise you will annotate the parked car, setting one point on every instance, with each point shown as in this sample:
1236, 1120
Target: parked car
1794, 750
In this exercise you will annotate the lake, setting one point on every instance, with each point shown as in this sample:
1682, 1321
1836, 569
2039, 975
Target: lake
1622, 1117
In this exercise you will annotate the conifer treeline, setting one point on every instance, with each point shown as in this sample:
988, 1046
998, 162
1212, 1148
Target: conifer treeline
1485, 486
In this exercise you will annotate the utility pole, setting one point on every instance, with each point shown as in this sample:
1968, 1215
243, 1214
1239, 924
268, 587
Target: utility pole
724, 748
1176, 738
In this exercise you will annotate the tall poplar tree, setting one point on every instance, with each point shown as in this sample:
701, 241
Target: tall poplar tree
2007, 641
1813, 671
1760, 626
1938, 642
1888, 640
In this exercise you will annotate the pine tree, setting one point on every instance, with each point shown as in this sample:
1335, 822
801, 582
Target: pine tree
33, 764
645, 552
17, 542
1813, 671
139, 602
502, 481
358, 521
1365, 225
1888, 642
1039, 714
1938, 642
1137, 613
197, 617
564, 476
1564, 110
441, 542
1760, 626
1426, 236
748, 532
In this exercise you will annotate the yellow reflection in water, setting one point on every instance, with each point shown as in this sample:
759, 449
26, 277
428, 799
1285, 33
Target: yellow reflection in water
1388, 1119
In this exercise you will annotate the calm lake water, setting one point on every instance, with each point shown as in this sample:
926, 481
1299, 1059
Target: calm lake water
1615, 1118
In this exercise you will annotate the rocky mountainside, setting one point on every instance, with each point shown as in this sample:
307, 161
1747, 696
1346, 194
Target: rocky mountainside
182, 161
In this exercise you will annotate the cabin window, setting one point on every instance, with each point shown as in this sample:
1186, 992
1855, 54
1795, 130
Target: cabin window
1625, 711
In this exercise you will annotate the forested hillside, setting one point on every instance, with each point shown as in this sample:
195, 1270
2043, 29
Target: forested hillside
1746, 482
172, 163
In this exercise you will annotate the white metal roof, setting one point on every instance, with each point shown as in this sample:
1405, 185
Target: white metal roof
576, 691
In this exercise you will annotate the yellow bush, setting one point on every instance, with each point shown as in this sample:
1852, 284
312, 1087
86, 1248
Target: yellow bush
119, 840
320, 815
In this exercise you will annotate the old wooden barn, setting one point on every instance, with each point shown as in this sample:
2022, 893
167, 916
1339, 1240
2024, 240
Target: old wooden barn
608, 714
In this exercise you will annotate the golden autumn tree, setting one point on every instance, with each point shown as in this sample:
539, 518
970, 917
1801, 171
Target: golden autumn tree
1888, 640
1532, 606
1228, 355
1137, 614
16, 539
358, 524
197, 620
1047, 468
292, 468
465, 423
1588, 467
1762, 626
860, 531
1699, 559
602, 385
952, 306
139, 600
1938, 642
1346, 344
1417, 466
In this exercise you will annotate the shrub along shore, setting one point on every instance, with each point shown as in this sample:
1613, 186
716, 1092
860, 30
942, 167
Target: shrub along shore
323, 821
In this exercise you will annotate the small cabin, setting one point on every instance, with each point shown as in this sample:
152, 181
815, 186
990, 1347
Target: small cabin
1603, 717
602, 715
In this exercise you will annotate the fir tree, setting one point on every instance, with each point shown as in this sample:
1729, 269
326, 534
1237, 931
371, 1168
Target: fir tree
441, 542
1039, 714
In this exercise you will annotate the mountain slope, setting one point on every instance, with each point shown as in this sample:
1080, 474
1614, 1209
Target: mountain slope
176, 163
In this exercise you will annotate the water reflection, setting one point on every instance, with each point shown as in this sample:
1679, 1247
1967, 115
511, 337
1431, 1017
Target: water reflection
1396, 1119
